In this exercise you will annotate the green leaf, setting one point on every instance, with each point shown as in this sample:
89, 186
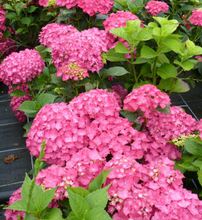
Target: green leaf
53, 214
78, 204
166, 71
30, 108
120, 48
147, 52
116, 71
46, 98
97, 214
41, 199
20, 205
27, 20
192, 48
167, 26
72, 216
198, 163
80, 191
112, 56
98, 198
173, 43
187, 65
26, 187
193, 147
98, 181
180, 86
131, 116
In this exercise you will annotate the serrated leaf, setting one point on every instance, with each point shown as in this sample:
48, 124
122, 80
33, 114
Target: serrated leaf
53, 214
30, 108
116, 71
46, 98
98, 198
180, 86
193, 147
98, 181
80, 191
166, 71
97, 214
78, 204
199, 173
147, 52
20, 205
120, 48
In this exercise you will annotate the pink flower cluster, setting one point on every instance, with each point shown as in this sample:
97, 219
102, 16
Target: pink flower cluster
52, 33
146, 99
21, 67
118, 19
156, 7
196, 17
165, 127
16, 101
88, 135
90, 7
83, 48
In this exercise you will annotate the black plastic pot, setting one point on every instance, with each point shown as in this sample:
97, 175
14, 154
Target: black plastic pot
15, 160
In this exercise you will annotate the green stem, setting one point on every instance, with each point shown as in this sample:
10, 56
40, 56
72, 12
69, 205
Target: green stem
154, 71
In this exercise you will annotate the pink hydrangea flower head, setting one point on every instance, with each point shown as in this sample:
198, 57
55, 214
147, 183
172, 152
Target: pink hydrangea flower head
57, 177
51, 33
87, 163
196, 17
95, 103
146, 99
118, 19
16, 101
84, 48
21, 67
92, 7
156, 7
178, 204
59, 128
72, 71
14, 215
166, 127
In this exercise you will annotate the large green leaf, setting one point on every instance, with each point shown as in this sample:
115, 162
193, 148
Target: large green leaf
166, 71
78, 204
193, 147
147, 52
98, 198
116, 71
46, 98
30, 108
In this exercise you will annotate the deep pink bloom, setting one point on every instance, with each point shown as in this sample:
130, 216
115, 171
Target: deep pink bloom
146, 98
51, 33
92, 7
21, 67
156, 7
196, 17
84, 48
